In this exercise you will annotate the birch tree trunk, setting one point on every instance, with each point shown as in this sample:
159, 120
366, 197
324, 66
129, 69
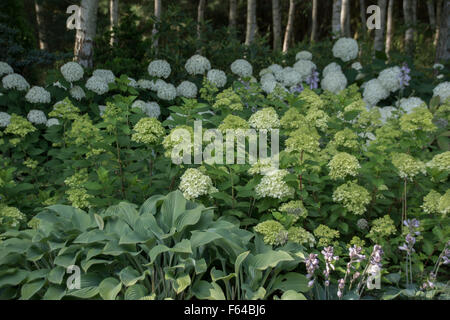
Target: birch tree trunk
158, 10
84, 38
443, 47
251, 22
408, 14
113, 19
314, 21
232, 14
43, 45
438, 21
345, 18
390, 26
336, 18
276, 24
289, 26
378, 43
200, 17
431, 13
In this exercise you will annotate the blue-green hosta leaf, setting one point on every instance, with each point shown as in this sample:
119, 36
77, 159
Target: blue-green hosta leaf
56, 275
291, 281
204, 290
135, 292
86, 264
269, 259
91, 236
217, 275
28, 290
150, 205
12, 277
84, 293
188, 218
201, 238
173, 206
130, 276
54, 293
38, 274
109, 288
239, 260
292, 295
259, 294
99, 221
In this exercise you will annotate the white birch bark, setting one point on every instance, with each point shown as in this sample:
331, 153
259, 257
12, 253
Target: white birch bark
43, 45
84, 38
113, 19
289, 26
336, 18
157, 13
314, 26
251, 22
390, 26
345, 18
378, 43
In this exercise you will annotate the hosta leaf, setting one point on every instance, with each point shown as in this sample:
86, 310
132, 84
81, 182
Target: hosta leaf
181, 283
201, 238
130, 276
28, 290
292, 295
188, 218
291, 282
269, 259
12, 277
109, 288
84, 293
56, 275
54, 293
135, 292
204, 290
173, 206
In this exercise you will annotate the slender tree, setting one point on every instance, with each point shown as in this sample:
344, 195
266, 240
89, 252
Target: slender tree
378, 44
438, 21
289, 26
408, 14
84, 38
336, 18
390, 26
232, 14
362, 13
345, 18
113, 19
200, 17
443, 45
43, 45
276, 17
251, 22
314, 27
431, 13
157, 13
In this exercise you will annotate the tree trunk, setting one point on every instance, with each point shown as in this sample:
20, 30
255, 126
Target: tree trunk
290, 26
378, 43
158, 10
438, 21
443, 47
84, 38
232, 14
336, 18
43, 45
314, 21
390, 27
251, 22
362, 13
414, 10
276, 24
408, 14
431, 13
200, 17
345, 18
113, 19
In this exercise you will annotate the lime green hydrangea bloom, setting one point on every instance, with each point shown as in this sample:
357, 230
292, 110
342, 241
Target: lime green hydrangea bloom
10, 216
381, 229
440, 162
444, 203
407, 166
33, 223
342, 165
353, 197
148, 131
419, 119
65, 110
317, 118
301, 236
194, 184
431, 202
294, 207
356, 241
303, 140
19, 126
30, 163
262, 166
272, 230
77, 193
312, 99
326, 235
272, 185
266, 118
84, 132
233, 122
228, 100
346, 138
180, 134
292, 119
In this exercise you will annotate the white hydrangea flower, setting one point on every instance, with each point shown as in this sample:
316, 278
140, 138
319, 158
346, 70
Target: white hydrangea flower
106, 75
242, 68
102, 110
442, 90
15, 81
159, 69
265, 71
303, 55
290, 77
436, 66
97, 85
187, 89
390, 78
268, 85
157, 84
197, 64
52, 122
357, 66
72, 71
77, 93
386, 113
331, 68
38, 95
268, 77
194, 183
59, 85
408, 104
132, 83
145, 84
217, 77
374, 92
334, 82
153, 110
272, 185
167, 92
37, 117
346, 49
266, 118
5, 69
275, 68
304, 68
4, 119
